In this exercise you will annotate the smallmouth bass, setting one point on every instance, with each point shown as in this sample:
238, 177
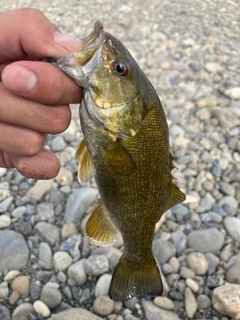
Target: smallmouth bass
126, 149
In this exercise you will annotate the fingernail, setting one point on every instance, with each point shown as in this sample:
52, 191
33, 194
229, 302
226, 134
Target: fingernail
66, 41
19, 79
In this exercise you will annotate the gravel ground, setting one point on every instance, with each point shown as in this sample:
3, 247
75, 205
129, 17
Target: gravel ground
191, 51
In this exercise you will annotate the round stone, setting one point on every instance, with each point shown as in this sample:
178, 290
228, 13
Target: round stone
77, 272
164, 303
41, 308
198, 263
96, 265
61, 260
51, 296
103, 284
103, 305
21, 284
206, 240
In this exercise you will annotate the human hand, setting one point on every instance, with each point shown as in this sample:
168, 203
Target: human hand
34, 95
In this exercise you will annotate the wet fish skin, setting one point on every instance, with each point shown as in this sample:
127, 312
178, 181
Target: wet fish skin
126, 148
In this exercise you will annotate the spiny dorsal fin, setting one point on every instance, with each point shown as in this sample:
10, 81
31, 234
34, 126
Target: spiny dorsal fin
120, 161
100, 228
85, 165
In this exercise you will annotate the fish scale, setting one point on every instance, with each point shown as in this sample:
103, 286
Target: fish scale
126, 149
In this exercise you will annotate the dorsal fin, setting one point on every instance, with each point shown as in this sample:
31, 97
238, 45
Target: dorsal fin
85, 165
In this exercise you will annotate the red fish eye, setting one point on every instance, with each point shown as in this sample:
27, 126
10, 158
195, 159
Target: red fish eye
121, 68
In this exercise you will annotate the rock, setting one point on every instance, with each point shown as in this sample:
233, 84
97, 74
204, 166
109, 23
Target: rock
180, 211
39, 189
45, 210
68, 229
193, 285
5, 221
233, 93
102, 285
207, 201
163, 302
212, 260
4, 291
225, 300
18, 212
233, 275
4, 312
103, 305
21, 284
11, 275
64, 177
77, 272
96, 265
226, 188
190, 303
35, 290
45, 255
232, 202
41, 308
180, 240
232, 224
174, 263
226, 118
206, 240
203, 302
74, 314
152, 312
58, 144
187, 273
72, 245
6, 204
13, 298
197, 262
77, 204
22, 311
47, 232
226, 252
163, 250
51, 296
14, 252
61, 260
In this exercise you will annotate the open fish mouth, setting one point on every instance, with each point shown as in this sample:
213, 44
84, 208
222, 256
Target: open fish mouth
78, 63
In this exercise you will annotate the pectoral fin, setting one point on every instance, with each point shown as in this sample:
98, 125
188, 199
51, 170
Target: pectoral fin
100, 228
120, 161
85, 166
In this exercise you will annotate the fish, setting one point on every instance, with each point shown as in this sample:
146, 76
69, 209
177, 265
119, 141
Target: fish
125, 147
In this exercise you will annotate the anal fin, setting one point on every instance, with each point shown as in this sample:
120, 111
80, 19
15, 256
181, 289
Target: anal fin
176, 196
100, 228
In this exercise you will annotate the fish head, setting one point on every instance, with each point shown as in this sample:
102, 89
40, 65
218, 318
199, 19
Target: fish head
114, 84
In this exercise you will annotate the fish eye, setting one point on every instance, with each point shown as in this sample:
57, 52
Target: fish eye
121, 68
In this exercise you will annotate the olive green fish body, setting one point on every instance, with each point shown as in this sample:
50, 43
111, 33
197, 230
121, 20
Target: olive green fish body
126, 149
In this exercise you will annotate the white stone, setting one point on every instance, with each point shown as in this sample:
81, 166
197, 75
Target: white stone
197, 262
11, 275
41, 308
193, 285
61, 260
5, 221
190, 303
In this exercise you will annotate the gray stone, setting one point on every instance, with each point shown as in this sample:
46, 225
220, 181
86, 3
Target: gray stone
203, 302
45, 210
102, 285
6, 204
4, 313
186, 272
72, 245
96, 265
22, 311
77, 204
18, 212
74, 314
14, 252
61, 260
77, 272
207, 240
58, 144
180, 240
39, 189
163, 250
35, 290
154, 313
226, 188
212, 260
207, 201
232, 224
226, 118
45, 255
232, 202
51, 296
4, 290
180, 211
47, 232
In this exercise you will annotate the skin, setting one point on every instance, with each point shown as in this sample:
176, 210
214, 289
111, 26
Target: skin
35, 95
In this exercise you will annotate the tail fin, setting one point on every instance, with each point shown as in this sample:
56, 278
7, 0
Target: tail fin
131, 279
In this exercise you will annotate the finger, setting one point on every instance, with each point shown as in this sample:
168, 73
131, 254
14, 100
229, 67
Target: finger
5, 160
44, 165
41, 82
20, 141
27, 32
25, 113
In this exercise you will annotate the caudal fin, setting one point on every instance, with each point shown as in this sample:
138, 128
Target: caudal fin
131, 279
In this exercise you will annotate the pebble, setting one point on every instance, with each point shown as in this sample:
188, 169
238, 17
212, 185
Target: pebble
232, 224
193, 285
21, 284
197, 262
45, 210
11, 275
225, 300
22, 311
179, 240
4, 290
5, 221
203, 302
174, 263
13, 298
58, 144
35, 290
233, 93
153, 312
68, 229
41, 308
206, 240
190, 303
96, 265
39, 189
4, 312
64, 177
163, 302
45, 255
231, 201
51, 296
77, 272
186, 272
103, 305
47, 232
102, 285
72, 245
19, 212
75, 313
61, 260
14, 252
77, 204
6, 204
163, 250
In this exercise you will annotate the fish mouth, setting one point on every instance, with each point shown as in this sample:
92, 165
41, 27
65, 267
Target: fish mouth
78, 63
